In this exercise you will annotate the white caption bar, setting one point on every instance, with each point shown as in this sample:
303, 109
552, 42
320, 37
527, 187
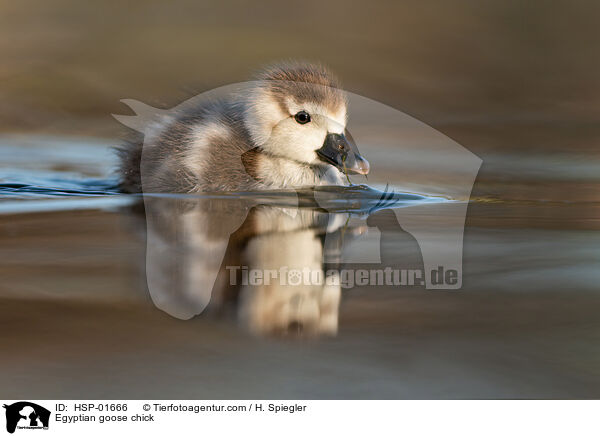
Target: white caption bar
155, 417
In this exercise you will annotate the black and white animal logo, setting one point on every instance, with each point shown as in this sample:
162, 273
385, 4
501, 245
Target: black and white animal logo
26, 415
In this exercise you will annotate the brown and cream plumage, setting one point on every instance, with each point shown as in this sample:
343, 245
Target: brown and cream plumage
287, 130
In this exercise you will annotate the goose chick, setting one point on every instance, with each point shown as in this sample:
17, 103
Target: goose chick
286, 131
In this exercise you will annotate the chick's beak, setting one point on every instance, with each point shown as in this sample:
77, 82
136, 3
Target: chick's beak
339, 152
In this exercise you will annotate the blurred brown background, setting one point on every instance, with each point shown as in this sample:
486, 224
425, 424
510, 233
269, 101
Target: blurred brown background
490, 74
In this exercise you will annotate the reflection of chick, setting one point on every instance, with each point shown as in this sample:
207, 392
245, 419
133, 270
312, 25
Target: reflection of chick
286, 131
290, 304
192, 246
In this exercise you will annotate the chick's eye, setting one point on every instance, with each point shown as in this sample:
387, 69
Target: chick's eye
302, 117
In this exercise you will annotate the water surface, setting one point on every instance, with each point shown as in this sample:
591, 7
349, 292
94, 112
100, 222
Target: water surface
76, 307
